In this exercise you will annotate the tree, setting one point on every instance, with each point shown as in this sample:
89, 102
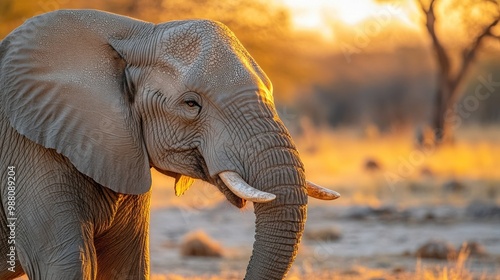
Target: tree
477, 18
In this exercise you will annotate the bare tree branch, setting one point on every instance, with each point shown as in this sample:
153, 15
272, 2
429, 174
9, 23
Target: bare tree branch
441, 55
448, 82
429, 12
470, 53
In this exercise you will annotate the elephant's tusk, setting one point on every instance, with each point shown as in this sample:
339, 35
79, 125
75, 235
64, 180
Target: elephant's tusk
240, 188
319, 192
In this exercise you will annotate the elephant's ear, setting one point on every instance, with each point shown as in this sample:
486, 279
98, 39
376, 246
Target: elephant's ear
62, 87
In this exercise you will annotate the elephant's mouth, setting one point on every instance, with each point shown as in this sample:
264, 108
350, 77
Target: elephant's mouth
197, 168
201, 171
237, 193
230, 196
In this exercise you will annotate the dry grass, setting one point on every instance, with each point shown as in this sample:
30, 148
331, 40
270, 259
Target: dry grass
456, 270
453, 270
337, 159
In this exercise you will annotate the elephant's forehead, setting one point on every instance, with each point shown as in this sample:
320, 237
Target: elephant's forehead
208, 56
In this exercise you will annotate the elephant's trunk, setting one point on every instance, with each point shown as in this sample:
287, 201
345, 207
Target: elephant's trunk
279, 223
277, 235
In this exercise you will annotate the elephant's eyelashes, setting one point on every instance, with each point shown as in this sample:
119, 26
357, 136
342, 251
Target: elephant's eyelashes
192, 103
194, 106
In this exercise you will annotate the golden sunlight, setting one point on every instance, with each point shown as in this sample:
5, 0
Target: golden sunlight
319, 15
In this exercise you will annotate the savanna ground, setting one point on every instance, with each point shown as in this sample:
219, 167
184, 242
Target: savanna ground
396, 196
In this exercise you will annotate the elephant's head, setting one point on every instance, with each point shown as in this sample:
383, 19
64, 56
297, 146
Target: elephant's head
118, 96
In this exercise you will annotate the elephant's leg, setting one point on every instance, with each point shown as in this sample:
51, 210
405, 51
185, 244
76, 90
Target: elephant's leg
54, 226
123, 249
53, 240
52, 256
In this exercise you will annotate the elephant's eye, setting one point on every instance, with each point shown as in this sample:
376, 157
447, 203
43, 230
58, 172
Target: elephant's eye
192, 103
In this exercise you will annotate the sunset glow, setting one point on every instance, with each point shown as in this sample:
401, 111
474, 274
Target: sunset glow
394, 104
320, 15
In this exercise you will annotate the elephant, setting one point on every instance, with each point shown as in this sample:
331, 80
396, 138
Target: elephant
91, 101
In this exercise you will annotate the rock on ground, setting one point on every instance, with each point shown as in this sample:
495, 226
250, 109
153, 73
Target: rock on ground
199, 244
437, 249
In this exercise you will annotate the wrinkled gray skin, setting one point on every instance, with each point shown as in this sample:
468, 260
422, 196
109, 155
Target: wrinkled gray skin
90, 101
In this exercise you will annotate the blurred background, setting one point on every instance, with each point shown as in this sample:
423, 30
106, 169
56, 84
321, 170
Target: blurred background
395, 104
